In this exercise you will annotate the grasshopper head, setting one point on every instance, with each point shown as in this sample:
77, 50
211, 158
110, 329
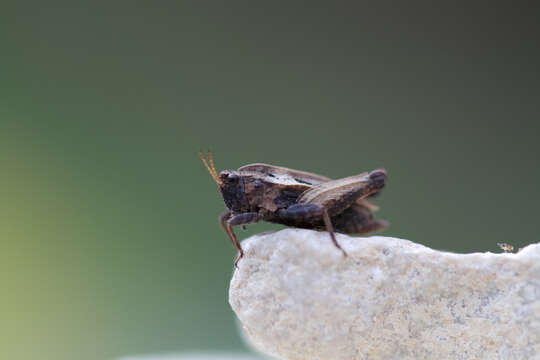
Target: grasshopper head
232, 189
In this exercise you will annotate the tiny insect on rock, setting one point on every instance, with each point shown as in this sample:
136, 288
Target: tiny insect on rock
261, 192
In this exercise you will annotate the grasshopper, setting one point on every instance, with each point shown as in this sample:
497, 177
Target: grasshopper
261, 192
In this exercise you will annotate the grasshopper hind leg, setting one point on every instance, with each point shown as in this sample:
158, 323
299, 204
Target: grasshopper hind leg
330, 229
308, 216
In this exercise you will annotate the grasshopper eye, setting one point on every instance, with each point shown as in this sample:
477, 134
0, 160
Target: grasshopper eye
229, 177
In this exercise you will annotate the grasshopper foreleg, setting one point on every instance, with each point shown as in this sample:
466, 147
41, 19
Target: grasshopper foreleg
227, 221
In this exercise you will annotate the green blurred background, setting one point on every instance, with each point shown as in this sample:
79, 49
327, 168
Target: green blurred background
108, 221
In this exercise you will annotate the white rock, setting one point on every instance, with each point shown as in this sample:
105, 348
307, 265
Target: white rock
297, 297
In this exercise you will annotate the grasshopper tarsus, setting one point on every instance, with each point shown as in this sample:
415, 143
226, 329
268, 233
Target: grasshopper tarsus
238, 257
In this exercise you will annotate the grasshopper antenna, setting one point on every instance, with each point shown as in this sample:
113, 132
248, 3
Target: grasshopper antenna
211, 158
211, 168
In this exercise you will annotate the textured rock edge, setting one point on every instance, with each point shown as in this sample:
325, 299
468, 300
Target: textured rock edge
295, 245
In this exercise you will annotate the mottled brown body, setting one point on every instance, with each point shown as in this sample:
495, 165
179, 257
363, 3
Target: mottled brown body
296, 198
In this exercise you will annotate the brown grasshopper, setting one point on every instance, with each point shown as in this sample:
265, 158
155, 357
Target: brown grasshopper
296, 198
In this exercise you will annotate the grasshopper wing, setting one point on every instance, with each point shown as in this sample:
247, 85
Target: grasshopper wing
299, 176
303, 177
338, 195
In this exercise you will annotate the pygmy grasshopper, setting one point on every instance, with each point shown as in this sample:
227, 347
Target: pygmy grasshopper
296, 198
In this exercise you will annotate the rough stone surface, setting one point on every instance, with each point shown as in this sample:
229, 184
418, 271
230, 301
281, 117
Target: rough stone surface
297, 297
